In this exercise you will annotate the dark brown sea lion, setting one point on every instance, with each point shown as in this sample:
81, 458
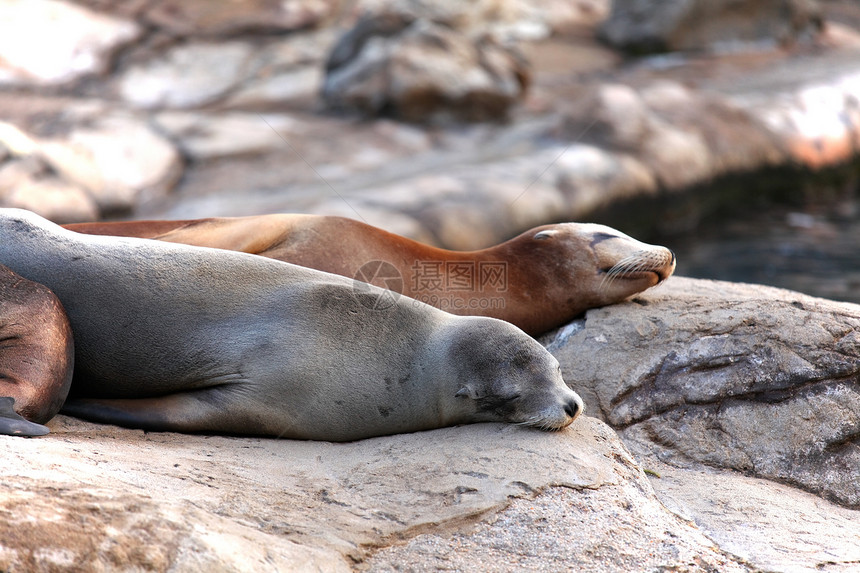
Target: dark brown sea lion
36, 355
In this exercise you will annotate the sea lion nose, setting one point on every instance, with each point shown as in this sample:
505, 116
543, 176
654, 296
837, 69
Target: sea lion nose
574, 407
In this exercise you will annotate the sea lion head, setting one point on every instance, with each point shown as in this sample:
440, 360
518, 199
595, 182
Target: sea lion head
605, 266
504, 375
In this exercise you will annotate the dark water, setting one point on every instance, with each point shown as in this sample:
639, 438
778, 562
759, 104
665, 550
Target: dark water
814, 249
787, 227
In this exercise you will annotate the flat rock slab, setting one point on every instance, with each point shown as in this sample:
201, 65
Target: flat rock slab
772, 526
48, 42
102, 497
610, 529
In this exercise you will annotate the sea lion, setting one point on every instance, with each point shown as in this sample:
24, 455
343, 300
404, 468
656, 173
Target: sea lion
36, 355
538, 280
180, 338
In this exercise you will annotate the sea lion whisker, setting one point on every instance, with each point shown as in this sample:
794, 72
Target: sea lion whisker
622, 267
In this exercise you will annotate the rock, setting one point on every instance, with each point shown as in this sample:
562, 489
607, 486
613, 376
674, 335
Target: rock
15, 172
115, 156
27, 183
507, 20
204, 136
681, 137
202, 18
287, 72
118, 159
566, 530
770, 526
418, 70
48, 42
642, 26
592, 178
54, 526
746, 377
189, 75
295, 87
173, 502
728, 136
51, 198
819, 125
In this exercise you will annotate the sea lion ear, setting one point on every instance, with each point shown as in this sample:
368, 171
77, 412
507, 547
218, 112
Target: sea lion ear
545, 234
466, 392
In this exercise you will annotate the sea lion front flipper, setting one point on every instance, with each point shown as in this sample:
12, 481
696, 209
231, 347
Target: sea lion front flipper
13, 424
184, 412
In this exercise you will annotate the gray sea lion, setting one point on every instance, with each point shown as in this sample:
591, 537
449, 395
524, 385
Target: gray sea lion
181, 338
36, 355
538, 280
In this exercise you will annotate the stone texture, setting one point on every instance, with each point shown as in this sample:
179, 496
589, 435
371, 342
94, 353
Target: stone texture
189, 75
118, 159
502, 19
682, 137
819, 126
51, 198
49, 42
226, 18
418, 70
162, 501
649, 26
588, 531
771, 526
752, 378
28, 183
203, 136
294, 86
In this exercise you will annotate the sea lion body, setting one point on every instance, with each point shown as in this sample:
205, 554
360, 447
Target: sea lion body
175, 337
538, 280
36, 355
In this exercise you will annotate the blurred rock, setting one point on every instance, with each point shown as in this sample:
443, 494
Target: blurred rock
189, 75
49, 42
285, 72
51, 198
203, 136
291, 87
420, 71
592, 178
203, 18
13, 173
745, 377
681, 136
27, 183
502, 19
118, 159
642, 26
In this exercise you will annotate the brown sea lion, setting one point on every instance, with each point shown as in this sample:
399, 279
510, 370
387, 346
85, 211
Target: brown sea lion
36, 355
179, 338
538, 280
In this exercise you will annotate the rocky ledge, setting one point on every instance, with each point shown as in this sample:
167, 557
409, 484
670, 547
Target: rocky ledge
710, 386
